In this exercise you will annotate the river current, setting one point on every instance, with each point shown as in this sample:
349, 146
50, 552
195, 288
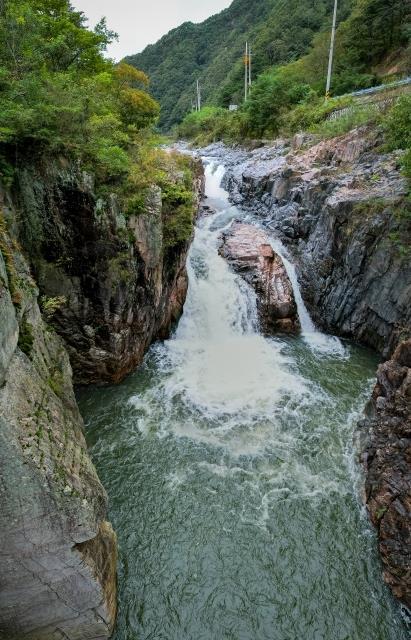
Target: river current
229, 463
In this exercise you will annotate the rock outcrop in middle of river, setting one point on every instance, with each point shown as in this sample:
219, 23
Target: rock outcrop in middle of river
248, 251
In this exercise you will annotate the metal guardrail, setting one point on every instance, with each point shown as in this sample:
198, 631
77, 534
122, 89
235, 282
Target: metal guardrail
381, 104
381, 87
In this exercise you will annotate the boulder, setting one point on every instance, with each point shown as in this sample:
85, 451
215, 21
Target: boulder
250, 254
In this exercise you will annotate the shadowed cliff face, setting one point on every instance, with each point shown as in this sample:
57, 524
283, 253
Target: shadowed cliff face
121, 284
386, 435
58, 556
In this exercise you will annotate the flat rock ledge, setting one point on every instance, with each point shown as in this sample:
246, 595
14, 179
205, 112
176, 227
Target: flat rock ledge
386, 456
249, 252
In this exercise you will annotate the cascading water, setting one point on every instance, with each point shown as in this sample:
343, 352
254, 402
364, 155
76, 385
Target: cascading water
226, 459
318, 341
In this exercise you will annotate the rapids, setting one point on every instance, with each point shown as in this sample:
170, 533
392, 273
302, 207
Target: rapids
229, 463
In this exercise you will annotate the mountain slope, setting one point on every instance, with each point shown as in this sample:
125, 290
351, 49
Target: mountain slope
280, 31
372, 35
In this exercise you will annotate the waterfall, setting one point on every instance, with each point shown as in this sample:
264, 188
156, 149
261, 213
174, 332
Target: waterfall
220, 362
319, 342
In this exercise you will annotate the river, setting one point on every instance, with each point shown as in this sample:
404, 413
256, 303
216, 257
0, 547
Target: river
229, 463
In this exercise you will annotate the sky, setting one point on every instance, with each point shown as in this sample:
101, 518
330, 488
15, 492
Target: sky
142, 22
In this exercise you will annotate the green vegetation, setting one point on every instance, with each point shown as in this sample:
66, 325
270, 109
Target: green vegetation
290, 40
213, 123
400, 236
309, 115
398, 135
398, 131
50, 306
59, 96
178, 201
355, 117
26, 338
56, 383
58, 93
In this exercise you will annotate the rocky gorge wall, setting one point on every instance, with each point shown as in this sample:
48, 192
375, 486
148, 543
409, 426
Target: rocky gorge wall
110, 282
85, 290
335, 206
53, 504
386, 457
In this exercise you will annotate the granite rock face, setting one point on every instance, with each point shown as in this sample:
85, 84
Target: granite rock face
119, 284
58, 552
336, 205
248, 251
386, 436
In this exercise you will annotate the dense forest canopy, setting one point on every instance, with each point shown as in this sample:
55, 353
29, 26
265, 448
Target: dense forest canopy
58, 92
281, 32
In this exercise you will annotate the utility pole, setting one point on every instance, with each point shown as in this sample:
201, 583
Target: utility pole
331, 57
246, 79
198, 96
249, 66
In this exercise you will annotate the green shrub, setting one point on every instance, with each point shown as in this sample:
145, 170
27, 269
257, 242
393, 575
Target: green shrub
273, 94
397, 128
178, 203
311, 112
49, 306
345, 123
398, 124
26, 338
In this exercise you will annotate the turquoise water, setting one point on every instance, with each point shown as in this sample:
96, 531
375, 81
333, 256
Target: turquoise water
228, 460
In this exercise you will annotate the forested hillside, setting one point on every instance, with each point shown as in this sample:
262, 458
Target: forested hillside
280, 31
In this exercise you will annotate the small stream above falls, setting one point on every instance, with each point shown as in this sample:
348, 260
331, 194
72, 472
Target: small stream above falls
229, 465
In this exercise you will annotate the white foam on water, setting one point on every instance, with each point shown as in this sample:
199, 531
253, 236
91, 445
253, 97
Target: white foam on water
320, 343
221, 384
219, 362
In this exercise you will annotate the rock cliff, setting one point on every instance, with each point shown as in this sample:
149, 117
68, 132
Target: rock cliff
111, 284
248, 251
337, 206
386, 444
58, 555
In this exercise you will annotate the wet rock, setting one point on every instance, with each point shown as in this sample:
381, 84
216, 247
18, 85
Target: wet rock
386, 457
248, 251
